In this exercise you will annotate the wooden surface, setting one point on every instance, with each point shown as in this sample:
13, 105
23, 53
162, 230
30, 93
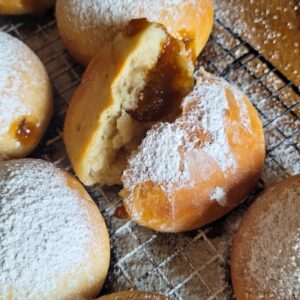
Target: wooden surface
272, 27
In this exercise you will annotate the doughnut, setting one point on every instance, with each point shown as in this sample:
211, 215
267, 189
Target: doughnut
21, 7
266, 249
133, 295
101, 127
190, 172
54, 242
25, 98
86, 26
184, 161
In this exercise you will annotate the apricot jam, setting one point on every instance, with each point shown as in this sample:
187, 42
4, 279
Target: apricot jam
121, 213
134, 27
166, 85
24, 131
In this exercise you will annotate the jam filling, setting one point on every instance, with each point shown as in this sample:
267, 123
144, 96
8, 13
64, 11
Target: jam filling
166, 85
134, 27
121, 213
24, 131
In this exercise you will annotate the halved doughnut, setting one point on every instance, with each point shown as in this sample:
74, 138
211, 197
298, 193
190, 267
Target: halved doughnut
184, 159
137, 80
194, 170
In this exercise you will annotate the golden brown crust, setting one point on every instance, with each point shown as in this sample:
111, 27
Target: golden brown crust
86, 32
100, 255
248, 285
20, 7
134, 295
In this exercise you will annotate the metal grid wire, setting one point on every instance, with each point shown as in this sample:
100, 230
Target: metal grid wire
192, 265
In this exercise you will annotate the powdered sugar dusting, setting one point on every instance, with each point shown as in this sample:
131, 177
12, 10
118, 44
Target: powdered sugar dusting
201, 127
44, 229
277, 245
209, 104
271, 27
162, 163
219, 196
15, 61
244, 113
114, 14
93, 12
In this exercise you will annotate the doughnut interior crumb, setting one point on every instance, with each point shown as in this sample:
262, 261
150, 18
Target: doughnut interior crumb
150, 88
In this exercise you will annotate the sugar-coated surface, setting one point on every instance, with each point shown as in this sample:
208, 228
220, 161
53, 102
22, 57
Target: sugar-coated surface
16, 61
91, 13
219, 195
275, 254
159, 157
204, 111
44, 229
183, 266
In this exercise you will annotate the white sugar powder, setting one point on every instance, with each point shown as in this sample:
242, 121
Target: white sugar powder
14, 63
44, 230
208, 114
243, 108
112, 15
219, 196
93, 12
159, 158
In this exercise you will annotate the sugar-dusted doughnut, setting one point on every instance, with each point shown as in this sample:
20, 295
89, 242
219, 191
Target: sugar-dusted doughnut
183, 161
105, 122
86, 26
190, 172
54, 242
25, 98
265, 260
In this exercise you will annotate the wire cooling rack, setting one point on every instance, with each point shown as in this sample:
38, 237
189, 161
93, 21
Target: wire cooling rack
193, 265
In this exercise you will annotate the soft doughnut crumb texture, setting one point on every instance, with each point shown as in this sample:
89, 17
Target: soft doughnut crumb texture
266, 249
25, 98
190, 172
100, 128
20, 7
86, 26
54, 242
134, 295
